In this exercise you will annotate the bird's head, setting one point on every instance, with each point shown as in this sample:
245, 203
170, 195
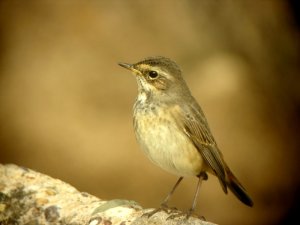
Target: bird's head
157, 75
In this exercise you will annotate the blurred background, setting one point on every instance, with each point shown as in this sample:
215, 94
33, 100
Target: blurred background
66, 106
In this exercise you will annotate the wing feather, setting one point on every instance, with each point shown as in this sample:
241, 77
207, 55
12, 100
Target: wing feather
196, 128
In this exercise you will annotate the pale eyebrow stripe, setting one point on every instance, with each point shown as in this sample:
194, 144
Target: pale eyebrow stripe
157, 69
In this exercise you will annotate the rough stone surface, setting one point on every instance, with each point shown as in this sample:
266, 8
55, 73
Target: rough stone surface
31, 198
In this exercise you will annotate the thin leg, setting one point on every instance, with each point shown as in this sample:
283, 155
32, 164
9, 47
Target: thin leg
165, 201
163, 205
202, 176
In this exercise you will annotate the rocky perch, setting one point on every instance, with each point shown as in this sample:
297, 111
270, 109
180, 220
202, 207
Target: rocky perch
31, 198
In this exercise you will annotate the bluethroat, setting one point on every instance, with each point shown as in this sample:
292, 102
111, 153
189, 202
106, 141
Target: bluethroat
172, 130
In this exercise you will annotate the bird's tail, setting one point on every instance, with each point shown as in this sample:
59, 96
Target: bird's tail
237, 189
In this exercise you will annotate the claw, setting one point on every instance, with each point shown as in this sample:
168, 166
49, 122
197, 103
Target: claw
186, 215
151, 213
163, 208
177, 215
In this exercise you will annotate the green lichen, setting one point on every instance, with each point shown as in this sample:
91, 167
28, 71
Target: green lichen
112, 204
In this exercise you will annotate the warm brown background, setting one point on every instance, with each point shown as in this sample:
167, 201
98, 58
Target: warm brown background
65, 105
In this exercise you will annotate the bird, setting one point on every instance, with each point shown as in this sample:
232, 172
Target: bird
173, 132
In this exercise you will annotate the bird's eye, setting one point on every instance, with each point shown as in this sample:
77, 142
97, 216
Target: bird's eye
153, 74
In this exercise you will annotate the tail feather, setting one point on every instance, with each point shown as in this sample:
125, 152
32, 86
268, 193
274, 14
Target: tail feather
237, 189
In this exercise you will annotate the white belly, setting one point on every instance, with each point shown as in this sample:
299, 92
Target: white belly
166, 146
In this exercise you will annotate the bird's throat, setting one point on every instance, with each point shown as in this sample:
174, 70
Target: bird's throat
142, 97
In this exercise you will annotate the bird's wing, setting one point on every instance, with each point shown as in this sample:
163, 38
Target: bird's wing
196, 128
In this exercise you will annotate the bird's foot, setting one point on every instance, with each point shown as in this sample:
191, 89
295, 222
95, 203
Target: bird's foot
185, 215
176, 215
163, 207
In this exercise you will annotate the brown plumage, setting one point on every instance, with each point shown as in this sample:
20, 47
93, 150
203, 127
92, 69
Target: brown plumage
172, 129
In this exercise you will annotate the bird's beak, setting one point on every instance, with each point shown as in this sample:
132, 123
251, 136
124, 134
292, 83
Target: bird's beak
126, 66
130, 67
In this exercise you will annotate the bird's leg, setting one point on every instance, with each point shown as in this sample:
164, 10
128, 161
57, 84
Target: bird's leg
202, 176
166, 200
164, 205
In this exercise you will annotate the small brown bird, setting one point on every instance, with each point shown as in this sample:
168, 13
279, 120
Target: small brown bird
173, 131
